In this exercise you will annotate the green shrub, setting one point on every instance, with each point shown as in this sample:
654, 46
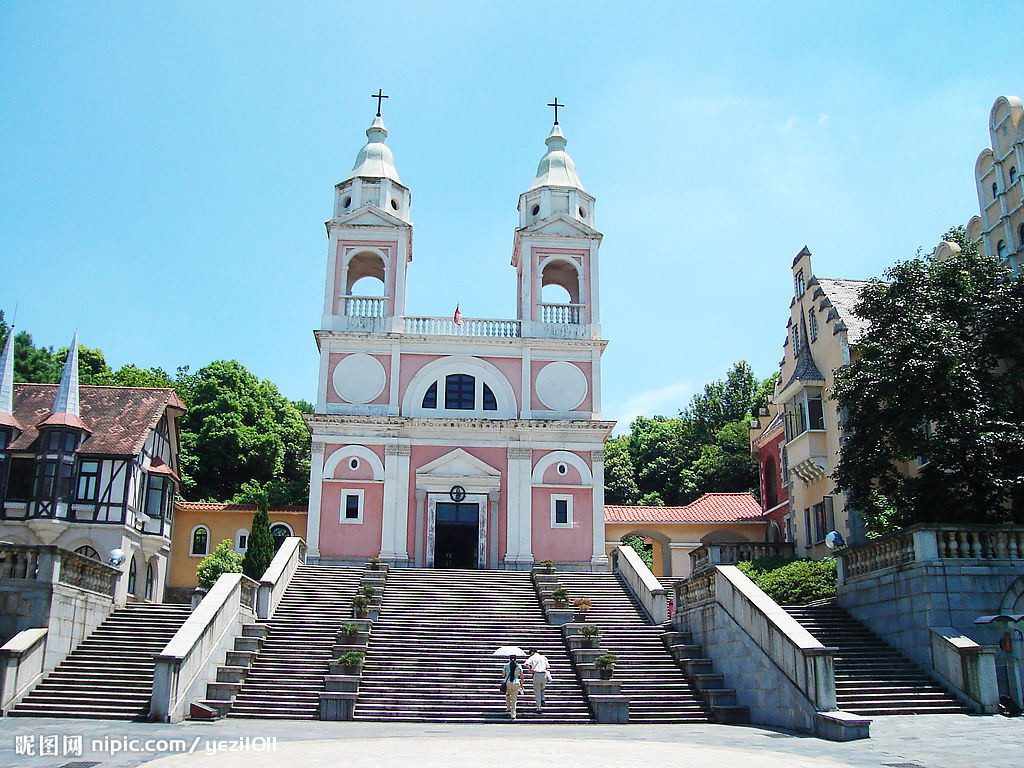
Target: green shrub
605, 661
793, 581
590, 630
222, 560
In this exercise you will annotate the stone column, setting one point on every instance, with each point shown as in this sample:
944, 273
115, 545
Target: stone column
421, 527
396, 491
316, 475
518, 509
599, 560
493, 498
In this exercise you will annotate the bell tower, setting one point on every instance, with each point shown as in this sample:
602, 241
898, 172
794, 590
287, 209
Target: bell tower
556, 249
369, 242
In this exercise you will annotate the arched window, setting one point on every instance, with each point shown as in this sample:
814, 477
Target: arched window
1013, 173
995, 190
430, 396
771, 484
490, 403
131, 576
86, 551
149, 581
200, 541
1001, 250
812, 323
280, 532
459, 392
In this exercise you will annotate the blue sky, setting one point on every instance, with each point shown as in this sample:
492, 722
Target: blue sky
167, 167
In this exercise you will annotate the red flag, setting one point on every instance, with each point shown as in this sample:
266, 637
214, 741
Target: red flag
457, 318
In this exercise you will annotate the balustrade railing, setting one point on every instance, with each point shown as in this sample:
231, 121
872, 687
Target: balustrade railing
695, 590
55, 565
561, 313
732, 552
366, 306
922, 543
446, 326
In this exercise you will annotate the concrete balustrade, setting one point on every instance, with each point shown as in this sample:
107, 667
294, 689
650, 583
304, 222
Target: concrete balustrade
779, 670
275, 580
189, 661
732, 552
966, 667
21, 665
648, 590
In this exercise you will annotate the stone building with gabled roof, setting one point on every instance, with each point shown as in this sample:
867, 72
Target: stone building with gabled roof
90, 469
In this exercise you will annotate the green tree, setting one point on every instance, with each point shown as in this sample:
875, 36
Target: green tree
938, 381
643, 548
260, 551
239, 428
619, 473
723, 401
222, 560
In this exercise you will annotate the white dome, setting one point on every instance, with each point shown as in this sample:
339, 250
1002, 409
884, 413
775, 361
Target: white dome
556, 168
375, 159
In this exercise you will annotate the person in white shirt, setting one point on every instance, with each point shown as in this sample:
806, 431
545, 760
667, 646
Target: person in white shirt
538, 664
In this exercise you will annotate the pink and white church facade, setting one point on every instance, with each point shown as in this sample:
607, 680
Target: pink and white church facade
467, 443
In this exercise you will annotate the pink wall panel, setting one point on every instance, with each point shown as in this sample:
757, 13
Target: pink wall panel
587, 368
336, 357
569, 544
346, 539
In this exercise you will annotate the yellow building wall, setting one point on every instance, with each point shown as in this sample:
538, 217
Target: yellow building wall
223, 524
673, 542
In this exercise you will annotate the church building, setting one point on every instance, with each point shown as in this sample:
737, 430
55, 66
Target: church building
456, 442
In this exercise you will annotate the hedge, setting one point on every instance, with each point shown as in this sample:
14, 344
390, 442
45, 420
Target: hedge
790, 581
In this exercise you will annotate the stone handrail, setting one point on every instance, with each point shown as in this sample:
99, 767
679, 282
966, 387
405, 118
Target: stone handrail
648, 590
732, 552
471, 326
276, 578
366, 306
805, 662
560, 313
21, 665
967, 667
189, 660
928, 543
57, 565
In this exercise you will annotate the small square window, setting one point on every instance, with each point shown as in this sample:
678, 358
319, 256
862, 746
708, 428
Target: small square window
352, 506
561, 511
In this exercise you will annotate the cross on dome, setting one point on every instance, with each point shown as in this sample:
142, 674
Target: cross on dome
556, 105
379, 95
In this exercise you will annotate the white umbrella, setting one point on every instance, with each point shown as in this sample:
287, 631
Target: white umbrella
509, 650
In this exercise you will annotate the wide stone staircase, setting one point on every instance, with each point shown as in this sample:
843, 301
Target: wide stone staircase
110, 674
872, 677
286, 674
656, 686
429, 656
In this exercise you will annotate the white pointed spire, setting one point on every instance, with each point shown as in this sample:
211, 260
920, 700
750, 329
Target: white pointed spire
7, 378
66, 404
556, 168
375, 160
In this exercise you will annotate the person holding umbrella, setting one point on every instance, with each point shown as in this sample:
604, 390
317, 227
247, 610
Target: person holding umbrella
512, 680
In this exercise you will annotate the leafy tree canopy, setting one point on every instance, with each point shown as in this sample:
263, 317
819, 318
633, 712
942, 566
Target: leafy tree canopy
938, 381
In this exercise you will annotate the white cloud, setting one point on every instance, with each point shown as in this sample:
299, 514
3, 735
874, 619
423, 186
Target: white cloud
666, 401
823, 119
790, 124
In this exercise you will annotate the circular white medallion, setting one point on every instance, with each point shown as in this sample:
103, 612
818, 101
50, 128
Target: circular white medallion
561, 386
359, 378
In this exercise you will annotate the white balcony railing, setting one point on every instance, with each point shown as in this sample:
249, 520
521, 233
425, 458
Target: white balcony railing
366, 306
565, 314
471, 326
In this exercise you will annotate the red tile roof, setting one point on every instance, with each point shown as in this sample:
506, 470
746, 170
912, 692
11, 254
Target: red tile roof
223, 506
709, 508
118, 418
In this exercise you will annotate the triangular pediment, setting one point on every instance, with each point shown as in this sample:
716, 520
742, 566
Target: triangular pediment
458, 463
366, 215
560, 224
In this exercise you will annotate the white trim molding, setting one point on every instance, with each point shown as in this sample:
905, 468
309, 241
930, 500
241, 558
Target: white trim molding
567, 498
345, 493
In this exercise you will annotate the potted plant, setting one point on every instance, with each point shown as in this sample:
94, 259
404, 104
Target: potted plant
588, 635
351, 662
605, 665
351, 631
369, 592
582, 605
374, 563
547, 566
561, 596
360, 605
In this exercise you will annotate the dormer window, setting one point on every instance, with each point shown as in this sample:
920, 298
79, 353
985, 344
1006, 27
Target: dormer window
55, 463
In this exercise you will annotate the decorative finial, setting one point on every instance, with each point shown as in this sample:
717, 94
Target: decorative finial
379, 96
556, 105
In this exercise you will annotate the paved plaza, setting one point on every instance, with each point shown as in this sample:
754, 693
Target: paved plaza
937, 741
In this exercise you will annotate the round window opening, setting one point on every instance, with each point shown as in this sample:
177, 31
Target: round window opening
562, 469
394, 204
346, 202
535, 210
353, 463
583, 213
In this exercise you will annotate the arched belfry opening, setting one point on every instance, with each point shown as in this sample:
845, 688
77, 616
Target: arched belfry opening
560, 292
361, 266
